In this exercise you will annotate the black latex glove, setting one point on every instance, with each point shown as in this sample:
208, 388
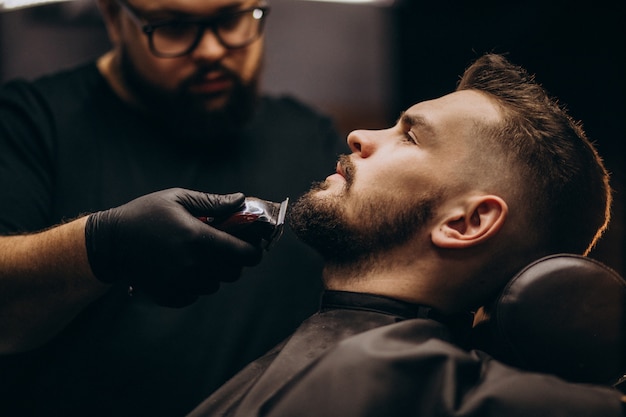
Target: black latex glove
157, 244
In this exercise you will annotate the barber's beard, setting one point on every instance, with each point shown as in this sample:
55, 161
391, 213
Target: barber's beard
186, 115
381, 224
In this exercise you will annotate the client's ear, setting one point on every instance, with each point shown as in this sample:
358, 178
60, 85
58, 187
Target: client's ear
479, 219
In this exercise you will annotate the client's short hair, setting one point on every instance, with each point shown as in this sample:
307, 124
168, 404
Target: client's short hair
564, 186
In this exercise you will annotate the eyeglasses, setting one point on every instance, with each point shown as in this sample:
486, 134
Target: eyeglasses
174, 38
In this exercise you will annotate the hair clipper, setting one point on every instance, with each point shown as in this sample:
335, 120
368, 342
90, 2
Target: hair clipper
256, 219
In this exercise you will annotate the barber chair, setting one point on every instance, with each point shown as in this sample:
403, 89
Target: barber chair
564, 315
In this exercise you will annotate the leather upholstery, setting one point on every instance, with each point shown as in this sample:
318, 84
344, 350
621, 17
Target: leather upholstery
563, 314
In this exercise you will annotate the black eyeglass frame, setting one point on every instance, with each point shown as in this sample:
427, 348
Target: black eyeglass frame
203, 24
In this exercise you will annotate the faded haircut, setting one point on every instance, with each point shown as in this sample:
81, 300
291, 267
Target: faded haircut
564, 183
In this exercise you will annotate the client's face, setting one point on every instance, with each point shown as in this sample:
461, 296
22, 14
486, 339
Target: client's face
396, 181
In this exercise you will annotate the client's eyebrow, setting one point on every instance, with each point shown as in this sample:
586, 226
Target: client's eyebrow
416, 121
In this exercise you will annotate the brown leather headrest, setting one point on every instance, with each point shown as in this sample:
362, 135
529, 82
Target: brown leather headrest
563, 314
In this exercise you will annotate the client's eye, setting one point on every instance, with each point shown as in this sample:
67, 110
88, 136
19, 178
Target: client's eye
410, 137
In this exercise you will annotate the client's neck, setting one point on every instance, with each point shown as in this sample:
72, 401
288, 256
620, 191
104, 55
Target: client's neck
402, 281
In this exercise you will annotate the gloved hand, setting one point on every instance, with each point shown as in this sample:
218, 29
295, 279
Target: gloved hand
157, 245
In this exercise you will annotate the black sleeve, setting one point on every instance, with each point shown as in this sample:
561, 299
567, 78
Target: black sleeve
26, 155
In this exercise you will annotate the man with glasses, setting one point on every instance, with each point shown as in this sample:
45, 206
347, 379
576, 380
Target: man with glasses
175, 103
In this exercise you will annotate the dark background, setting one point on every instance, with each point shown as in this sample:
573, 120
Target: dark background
364, 64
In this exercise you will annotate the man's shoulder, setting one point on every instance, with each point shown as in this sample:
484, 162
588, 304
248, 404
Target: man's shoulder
78, 80
63, 83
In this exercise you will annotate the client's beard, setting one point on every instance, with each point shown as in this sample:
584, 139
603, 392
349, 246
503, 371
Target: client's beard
322, 223
186, 115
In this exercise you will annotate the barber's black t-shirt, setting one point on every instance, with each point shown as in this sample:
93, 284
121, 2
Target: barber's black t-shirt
69, 146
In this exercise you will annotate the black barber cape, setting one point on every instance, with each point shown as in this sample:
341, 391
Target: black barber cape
364, 355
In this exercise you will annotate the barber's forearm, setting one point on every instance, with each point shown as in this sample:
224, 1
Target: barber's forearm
45, 281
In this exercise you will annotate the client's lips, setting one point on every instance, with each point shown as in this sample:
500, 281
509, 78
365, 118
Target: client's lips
339, 173
339, 170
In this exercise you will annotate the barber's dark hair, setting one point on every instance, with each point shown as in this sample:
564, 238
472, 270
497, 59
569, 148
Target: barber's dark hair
565, 184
